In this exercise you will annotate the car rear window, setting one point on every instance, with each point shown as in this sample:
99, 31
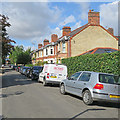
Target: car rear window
110, 79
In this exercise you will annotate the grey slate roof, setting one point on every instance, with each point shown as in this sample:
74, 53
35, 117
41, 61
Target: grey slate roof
78, 30
106, 50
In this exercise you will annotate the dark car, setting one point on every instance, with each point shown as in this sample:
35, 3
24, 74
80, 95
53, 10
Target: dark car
18, 68
34, 73
14, 67
24, 70
27, 71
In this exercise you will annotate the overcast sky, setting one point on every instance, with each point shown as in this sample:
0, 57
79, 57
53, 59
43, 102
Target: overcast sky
32, 22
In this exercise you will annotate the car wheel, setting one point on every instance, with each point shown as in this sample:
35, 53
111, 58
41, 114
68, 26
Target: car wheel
32, 77
62, 89
87, 98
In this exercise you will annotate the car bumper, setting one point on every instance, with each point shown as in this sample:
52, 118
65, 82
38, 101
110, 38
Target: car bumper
105, 97
53, 82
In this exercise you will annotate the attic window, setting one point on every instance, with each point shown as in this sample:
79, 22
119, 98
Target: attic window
108, 51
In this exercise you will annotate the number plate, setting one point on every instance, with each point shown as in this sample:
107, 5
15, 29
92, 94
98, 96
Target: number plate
53, 76
114, 96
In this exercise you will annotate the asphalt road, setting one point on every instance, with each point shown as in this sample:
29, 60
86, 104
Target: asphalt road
23, 98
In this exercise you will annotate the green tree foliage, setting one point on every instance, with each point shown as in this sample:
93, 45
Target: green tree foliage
20, 56
107, 63
4, 38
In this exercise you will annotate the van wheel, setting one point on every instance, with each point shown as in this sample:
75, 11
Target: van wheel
62, 89
44, 82
87, 98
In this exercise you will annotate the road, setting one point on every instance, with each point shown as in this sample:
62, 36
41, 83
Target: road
23, 98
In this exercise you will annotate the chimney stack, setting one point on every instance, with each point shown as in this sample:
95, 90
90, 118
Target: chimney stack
66, 31
93, 17
54, 37
46, 42
39, 46
110, 30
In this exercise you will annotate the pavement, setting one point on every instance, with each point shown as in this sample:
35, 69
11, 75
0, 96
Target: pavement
24, 98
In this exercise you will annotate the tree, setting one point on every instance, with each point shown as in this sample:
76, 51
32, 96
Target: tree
24, 57
20, 56
15, 53
5, 41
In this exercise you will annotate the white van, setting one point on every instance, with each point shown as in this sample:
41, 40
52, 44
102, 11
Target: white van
53, 73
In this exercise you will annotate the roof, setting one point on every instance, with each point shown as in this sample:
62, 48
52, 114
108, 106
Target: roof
118, 39
74, 32
100, 50
80, 29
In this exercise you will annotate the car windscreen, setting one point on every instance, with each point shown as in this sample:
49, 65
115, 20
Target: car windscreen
38, 68
110, 79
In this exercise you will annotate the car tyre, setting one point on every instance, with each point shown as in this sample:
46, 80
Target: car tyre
87, 98
44, 82
32, 77
62, 89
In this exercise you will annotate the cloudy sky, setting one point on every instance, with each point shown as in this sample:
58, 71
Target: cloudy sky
32, 22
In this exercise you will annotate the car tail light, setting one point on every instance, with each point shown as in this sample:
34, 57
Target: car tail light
47, 75
98, 86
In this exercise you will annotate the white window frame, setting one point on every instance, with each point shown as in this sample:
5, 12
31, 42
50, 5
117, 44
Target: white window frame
63, 47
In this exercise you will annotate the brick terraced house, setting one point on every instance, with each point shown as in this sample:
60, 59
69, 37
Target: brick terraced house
89, 39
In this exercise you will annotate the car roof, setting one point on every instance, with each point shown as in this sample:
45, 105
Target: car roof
96, 72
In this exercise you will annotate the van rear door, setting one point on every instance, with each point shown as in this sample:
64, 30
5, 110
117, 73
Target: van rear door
58, 72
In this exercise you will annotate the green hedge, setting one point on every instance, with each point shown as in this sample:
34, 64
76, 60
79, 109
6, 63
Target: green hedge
106, 63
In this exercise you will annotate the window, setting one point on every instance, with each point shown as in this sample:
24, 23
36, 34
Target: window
38, 53
51, 51
111, 79
51, 61
63, 47
46, 51
108, 51
85, 76
41, 53
74, 76
59, 47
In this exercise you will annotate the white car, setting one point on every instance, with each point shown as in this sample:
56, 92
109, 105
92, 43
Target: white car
53, 73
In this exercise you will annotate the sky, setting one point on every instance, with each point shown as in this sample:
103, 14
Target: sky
32, 22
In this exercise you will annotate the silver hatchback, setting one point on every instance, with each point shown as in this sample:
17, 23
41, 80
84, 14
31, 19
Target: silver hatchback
92, 86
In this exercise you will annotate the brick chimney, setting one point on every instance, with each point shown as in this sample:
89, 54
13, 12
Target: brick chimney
54, 37
66, 31
93, 17
111, 30
46, 42
39, 46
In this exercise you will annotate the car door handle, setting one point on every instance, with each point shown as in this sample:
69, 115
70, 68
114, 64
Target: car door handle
84, 83
73, 82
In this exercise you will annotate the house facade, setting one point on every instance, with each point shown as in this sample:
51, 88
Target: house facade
74, 43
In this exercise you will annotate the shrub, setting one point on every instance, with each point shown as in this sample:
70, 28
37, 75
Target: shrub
106, 63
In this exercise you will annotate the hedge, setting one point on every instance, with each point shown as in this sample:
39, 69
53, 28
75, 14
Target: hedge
106, 63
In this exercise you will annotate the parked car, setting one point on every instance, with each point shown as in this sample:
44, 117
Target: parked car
21, 69
53, 73
3, 65
27, 71
92, 86
18, 68
34, 73
24, 70
14, 67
